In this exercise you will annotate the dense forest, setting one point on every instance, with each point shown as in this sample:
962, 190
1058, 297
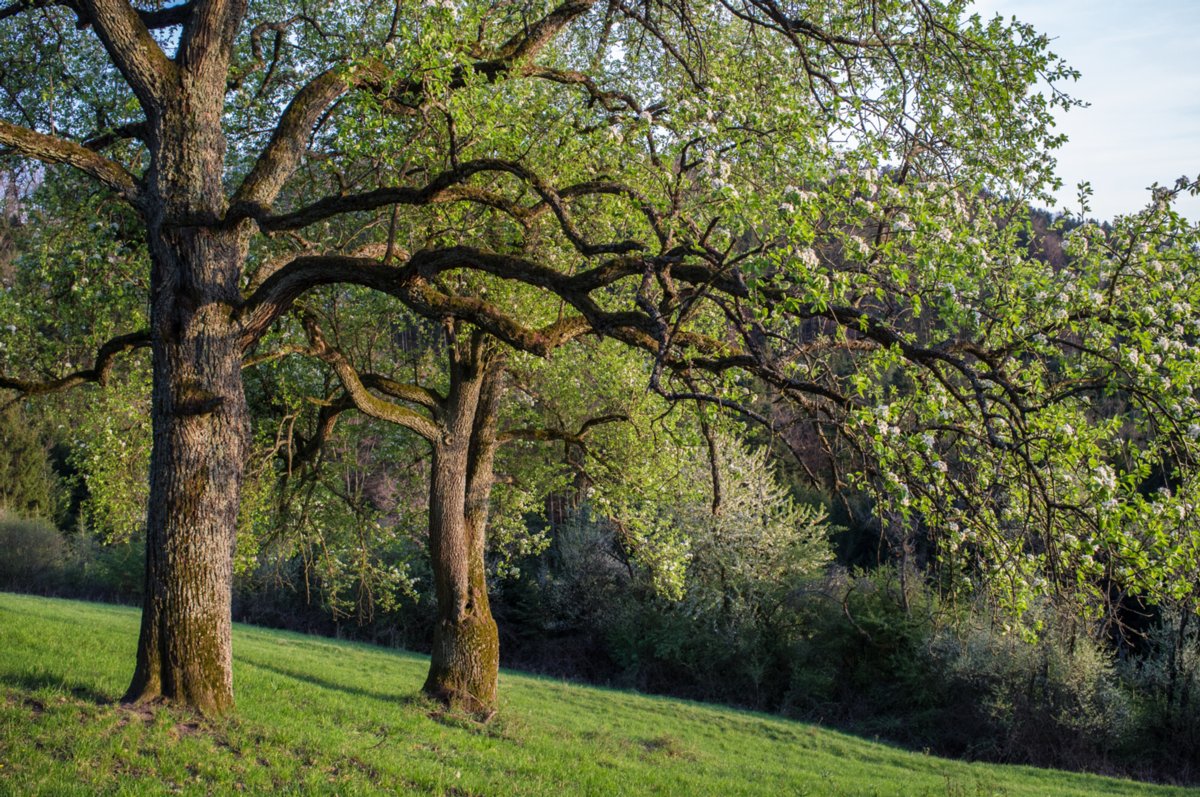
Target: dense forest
718, 352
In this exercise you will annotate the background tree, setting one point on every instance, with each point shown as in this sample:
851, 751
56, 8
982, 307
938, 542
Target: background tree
510, 400
27, 484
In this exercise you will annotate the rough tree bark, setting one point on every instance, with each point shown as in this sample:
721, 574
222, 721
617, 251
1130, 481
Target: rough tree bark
200, 423
199, 414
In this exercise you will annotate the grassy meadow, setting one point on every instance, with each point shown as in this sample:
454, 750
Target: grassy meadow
317, 716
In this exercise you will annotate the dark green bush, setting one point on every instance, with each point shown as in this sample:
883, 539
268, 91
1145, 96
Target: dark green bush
32, 555
1057, 702
875, 652
1164, 681
28, 485
112, 572
862, 660
36, 557
883, 656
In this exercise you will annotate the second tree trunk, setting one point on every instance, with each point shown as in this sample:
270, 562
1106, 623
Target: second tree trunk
465, 661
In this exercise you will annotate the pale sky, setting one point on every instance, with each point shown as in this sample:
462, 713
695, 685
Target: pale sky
1141, 74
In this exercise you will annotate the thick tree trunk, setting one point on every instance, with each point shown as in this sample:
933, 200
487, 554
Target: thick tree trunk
466, 648
200, 426
464, 666
199, 417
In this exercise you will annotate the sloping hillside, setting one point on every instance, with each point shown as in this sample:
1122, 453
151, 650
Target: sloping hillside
322, 717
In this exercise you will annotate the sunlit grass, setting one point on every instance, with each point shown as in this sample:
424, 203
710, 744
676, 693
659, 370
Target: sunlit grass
321, 717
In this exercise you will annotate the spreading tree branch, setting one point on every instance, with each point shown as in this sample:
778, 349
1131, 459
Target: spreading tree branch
51, 149
448, 187
404, 391
289, 140
133, 50
153, 18
364, 400
100, 141
411, 283
560, 435
106, 357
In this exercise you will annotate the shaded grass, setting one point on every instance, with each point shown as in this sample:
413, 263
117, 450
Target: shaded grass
321, 717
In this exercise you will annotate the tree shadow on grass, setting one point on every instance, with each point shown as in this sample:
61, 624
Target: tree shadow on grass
416, 701
401, 698
32, 682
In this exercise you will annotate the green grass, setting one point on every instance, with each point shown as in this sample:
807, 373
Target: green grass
322, 717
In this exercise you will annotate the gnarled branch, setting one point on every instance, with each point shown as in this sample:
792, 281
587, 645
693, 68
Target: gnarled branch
153, 19
288, 143
364, 400
51, 149
447, 187
106, 357
411, 284
283, 153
